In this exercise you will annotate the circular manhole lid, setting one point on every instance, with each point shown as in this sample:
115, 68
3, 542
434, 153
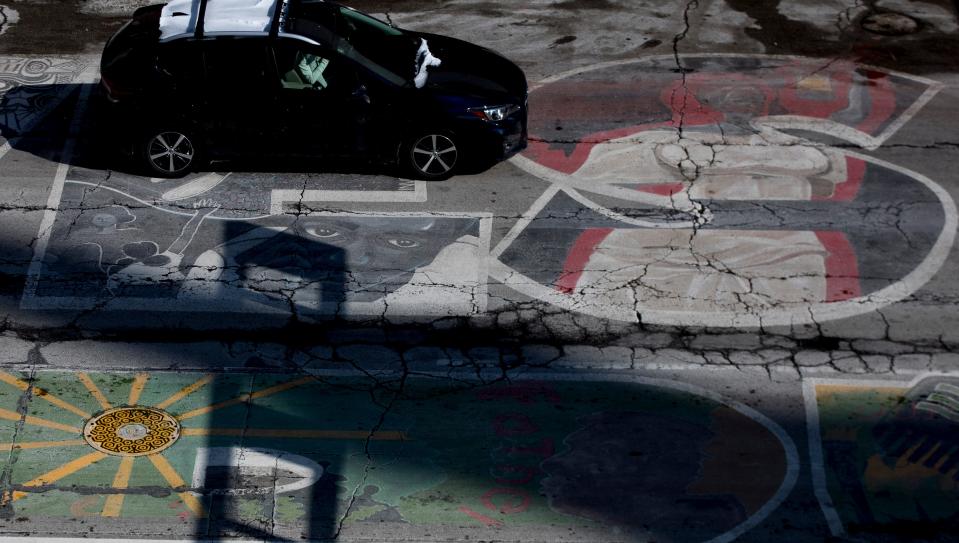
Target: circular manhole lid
131, 431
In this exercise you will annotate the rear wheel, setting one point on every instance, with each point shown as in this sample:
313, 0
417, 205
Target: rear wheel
170, 153
433, 155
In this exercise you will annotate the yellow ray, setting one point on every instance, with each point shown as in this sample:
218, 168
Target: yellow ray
387, 435
136, 388
41, 444
186, 391
41, 393
92, 387
174, 480
247, 397
55, 475
37, 421
114, 503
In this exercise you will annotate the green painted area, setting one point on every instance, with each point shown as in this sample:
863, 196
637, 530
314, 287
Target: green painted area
447, 453
875, 488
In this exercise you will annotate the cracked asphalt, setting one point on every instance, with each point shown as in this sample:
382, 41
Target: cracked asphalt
714, 300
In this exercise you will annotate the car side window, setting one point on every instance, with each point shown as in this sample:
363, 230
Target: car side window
238, 65
300, 66
180, 62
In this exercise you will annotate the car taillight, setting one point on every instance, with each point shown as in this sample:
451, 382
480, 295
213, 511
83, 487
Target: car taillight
110, 87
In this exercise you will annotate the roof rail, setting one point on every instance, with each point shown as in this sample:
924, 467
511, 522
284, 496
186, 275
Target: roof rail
201, 13
279, 16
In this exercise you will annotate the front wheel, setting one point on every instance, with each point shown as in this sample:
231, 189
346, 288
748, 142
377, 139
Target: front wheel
431, 156
169, 153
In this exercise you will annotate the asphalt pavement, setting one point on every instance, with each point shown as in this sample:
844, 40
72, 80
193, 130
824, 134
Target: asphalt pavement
714, 300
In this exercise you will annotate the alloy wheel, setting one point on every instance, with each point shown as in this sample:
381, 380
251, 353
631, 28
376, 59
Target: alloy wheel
170, 152
434, 155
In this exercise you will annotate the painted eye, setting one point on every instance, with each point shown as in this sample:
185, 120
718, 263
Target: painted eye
403, 243
325, 233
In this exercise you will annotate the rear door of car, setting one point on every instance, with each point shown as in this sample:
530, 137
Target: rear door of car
239, 88
175, 93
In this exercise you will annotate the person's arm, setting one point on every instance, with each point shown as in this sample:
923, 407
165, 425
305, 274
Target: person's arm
320, 81
305, 68
311, 68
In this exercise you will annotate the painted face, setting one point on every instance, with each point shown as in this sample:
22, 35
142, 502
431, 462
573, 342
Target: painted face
361, 258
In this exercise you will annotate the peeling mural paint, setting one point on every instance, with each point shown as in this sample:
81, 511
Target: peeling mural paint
8, 18
30, 87
699, 202
884, 456
696, 197
541, 452
116, 251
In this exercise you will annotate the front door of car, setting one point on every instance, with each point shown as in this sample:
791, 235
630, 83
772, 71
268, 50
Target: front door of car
239, 100
323, 105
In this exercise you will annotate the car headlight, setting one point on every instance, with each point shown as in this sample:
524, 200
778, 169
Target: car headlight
494, 113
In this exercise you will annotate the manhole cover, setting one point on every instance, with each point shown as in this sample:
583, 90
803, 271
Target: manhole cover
131, 431
890, 24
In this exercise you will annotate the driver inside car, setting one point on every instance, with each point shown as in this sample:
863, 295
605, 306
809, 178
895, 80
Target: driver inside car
310, 68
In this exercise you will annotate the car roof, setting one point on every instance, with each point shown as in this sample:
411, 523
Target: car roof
197, 18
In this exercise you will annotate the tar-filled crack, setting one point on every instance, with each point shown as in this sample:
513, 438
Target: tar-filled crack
370, 461
6, 476
680, 68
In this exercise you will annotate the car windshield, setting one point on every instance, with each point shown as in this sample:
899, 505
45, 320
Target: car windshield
384, 50
371, 27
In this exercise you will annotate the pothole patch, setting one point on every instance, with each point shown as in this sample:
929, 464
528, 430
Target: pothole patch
890, 23
8, 17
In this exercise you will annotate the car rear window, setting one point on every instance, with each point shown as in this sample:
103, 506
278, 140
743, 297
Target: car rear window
134, 44
237, 64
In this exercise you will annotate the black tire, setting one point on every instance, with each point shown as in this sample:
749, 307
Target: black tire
432, 155
170, 152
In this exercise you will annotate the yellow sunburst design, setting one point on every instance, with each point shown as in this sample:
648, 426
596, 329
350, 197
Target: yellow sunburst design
131, 431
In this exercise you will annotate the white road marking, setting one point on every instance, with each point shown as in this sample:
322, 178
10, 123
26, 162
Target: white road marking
524, 220
280, 197
194, 187
85, 80
816, 457
259, 461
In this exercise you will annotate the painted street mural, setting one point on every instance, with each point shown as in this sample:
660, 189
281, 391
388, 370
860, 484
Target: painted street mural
8, 17
30, 88
694, 198
120, 249
885, 457
705, 196
236, 453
